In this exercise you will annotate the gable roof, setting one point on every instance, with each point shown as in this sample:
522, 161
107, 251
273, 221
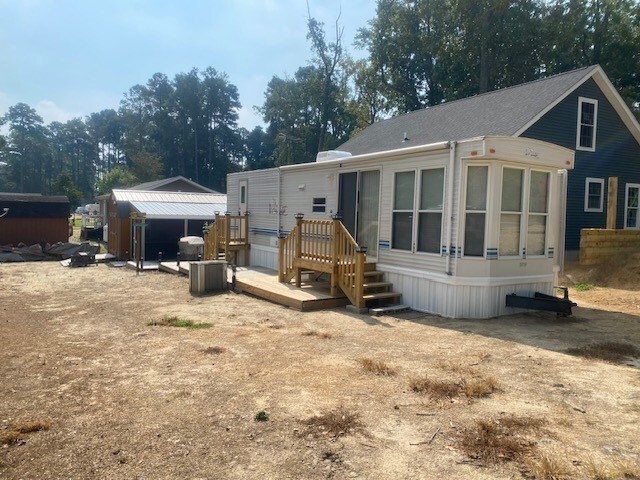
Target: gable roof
506, 112
155, 184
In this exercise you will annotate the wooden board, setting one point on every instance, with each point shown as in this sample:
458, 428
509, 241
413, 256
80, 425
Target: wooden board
263, 283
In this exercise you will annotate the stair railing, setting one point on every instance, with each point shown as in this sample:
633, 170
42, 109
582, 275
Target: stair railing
349, 260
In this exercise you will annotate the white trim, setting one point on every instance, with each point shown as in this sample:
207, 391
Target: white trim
594, 102
470, 281
587, 181
626, 206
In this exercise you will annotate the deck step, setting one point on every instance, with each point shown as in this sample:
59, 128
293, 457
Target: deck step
397, 308
372, 273
381, 295
378, 285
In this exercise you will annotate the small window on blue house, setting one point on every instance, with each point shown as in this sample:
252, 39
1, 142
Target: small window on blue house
587, 123
593, 194
319, 204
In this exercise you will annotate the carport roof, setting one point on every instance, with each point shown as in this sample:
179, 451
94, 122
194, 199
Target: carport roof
173, 205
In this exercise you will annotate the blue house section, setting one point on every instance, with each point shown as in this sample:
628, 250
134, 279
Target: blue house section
617, 154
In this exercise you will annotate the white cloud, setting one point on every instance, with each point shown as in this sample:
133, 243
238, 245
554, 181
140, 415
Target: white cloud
249, 119
50, 112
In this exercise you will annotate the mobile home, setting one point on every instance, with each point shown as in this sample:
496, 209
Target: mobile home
454, 226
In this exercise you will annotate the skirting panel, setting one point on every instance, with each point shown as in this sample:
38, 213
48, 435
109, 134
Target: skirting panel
266, 257
460, 301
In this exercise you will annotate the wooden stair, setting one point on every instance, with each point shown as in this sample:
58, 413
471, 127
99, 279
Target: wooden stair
377, 292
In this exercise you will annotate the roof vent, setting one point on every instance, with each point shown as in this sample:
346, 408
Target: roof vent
405, 139
331, 155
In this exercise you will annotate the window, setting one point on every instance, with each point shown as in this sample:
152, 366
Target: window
538, 212
593, 194
243, 194
319, 204
511, 212
631, 206
587, 124
430, 210
475, 211
402, 223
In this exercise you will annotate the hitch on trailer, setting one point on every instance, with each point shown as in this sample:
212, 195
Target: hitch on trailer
542, 301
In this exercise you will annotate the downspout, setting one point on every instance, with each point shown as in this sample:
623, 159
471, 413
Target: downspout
452, 159
279, 206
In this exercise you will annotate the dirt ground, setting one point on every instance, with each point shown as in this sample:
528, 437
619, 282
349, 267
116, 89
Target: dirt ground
126, 400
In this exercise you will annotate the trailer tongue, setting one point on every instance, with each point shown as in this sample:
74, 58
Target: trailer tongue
541, 301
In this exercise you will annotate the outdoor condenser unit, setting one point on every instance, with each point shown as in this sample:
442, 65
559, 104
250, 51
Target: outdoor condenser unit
208, 276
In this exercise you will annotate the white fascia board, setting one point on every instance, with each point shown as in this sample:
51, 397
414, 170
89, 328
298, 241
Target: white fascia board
175, 217
432, 147
554, 103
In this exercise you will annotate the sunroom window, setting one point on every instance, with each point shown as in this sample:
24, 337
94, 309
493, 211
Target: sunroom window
538, 212
430, 213
511, 212
475, 211
402, 229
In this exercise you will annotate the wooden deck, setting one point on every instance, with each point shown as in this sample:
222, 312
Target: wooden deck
151, 265
172, 267
263, 283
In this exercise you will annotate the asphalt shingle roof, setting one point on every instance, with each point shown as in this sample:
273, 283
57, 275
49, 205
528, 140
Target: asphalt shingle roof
501, 112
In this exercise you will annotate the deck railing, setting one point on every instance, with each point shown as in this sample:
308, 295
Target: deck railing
323, 246
227, 235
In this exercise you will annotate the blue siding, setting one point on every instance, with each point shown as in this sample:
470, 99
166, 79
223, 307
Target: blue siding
617, 155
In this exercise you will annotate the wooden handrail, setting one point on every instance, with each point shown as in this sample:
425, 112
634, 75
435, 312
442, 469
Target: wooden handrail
327, 246
226, 230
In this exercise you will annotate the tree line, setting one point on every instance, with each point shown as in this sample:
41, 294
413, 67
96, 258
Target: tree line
419, 53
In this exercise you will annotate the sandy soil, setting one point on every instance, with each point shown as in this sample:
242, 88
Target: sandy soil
126, 400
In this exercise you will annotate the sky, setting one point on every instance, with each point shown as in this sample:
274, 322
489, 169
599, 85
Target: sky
69, 58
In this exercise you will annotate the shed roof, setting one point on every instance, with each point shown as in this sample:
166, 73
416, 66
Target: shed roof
155, 184
174, 205
32, 197
501, 112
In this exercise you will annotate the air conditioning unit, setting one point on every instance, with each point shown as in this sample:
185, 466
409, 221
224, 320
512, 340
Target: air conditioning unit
207, 276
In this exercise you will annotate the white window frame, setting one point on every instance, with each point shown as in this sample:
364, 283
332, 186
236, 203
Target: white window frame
582, 100
626, 206
587, 181
461, 241
418, 211
412, 211
538, 214
523, 199
321, 206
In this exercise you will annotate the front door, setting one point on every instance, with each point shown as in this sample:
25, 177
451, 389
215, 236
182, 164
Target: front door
631, 206
359, 204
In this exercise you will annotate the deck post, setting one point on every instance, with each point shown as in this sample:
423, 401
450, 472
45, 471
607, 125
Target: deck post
298, 252
281, 265
334, 254
216, 252
361, 255
227, 235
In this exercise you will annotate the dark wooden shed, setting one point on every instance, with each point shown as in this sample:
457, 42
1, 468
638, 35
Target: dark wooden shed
31, 218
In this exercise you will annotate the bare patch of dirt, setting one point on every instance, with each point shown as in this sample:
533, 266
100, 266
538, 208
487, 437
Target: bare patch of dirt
125, 400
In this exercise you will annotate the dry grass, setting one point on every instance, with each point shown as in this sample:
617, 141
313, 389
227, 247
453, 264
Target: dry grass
276, 326
548, 466
174, 321
521, 424
336, 422
613, 469
17, 430
377, 367
214, 350
479, 387
491, 442
316, 333
436, 389
454, 367
447, 389
614, 352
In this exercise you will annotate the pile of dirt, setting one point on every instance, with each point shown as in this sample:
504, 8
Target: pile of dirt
621, 272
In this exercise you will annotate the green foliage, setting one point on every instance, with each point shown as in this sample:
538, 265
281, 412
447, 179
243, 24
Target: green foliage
146, 166
119, 177
583, 287
261, 416
63, 185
